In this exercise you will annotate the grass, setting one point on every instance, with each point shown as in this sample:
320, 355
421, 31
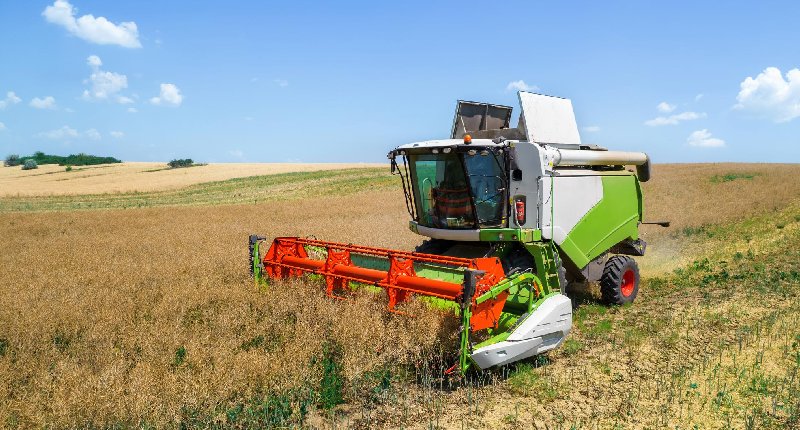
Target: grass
728, 177
148, 318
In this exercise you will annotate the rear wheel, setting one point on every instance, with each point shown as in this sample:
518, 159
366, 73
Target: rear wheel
620, 281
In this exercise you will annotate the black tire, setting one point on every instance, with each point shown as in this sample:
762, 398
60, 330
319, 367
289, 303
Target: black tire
620, 282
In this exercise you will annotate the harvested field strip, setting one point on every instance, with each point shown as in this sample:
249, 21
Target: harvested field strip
254, 189
671, 358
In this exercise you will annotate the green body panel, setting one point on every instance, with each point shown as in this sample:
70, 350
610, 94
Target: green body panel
615, 218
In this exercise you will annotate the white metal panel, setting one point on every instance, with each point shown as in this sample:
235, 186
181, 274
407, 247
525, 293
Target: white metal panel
548, 119
446, 234
571, 199
529, 160
544, 329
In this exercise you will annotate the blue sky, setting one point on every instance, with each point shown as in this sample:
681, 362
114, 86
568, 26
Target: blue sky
347, 81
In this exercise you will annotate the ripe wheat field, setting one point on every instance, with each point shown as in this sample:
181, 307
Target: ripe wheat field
137, 310
128, 177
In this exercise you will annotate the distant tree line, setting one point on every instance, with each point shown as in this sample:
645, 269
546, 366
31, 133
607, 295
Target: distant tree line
70, 160
181, 162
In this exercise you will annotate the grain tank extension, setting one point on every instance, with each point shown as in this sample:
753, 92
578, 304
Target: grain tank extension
511, 216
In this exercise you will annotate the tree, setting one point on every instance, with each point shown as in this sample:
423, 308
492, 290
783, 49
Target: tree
30, 165
12, 160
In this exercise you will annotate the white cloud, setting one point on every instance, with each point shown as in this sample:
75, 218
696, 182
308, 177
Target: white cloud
104, 85
117, 134
591, 129
674, 119
124, 100
11, 99
769, 95
280, 82
46, 103
520, 85
698, 97
94, 61
2, 126
94, 30
665, 107
92, 134
170, 96
132, 110
64, 132
67, 132
703, 138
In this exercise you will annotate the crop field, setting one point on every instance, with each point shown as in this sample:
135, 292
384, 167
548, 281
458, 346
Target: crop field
128, 304
51, 179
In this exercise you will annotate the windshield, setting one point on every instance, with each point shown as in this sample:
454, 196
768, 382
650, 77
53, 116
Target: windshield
485, 173
446, 196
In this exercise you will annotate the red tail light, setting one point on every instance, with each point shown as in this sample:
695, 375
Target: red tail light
519, 206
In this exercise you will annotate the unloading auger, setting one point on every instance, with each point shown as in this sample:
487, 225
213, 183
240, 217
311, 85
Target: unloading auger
514, 215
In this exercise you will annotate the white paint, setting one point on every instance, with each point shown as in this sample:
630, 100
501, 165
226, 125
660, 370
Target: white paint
544, 329
446, 234
548, 119
572, 198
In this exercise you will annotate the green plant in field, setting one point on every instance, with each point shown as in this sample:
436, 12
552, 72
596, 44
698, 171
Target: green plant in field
603, 327
180, 357
633, 337
68, 169
29, 165
61, 341
728, 177
588, 312
3, 346
525, 379
572, 346
330, 391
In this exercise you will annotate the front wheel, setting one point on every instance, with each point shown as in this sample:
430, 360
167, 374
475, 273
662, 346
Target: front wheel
620, 281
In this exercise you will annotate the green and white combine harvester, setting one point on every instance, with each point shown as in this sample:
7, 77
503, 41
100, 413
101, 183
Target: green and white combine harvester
512, 216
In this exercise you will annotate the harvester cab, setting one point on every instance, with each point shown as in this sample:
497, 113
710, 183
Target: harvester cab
512, 216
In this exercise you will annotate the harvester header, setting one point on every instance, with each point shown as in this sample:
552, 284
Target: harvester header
512, 216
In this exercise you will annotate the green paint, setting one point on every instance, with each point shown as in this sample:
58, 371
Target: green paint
546, 266
464, 360
257, 263
615, 218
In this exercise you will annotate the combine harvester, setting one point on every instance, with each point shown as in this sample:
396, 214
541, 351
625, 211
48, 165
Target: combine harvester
513, 216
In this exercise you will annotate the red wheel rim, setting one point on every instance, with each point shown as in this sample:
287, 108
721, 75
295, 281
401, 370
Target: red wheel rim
628, 282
